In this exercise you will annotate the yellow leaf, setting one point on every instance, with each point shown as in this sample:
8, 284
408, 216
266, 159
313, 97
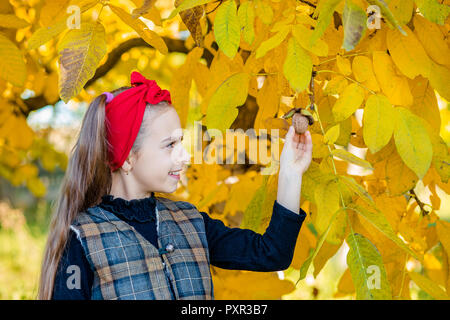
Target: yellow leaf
181, 84
408, 53
324, 11
363, 71
362, 68
80, 50
331, 135
242, 192
336, 85
343, 65
377, 122
12, 64
320, 149
192, 20
149, 36
272, 42
399, 178
51, 87
37, 187
303, 36
439, 79
22, 136
12, 21
46, 33
222, 107
443, 232
263, 11
306, 241
394, 87
185, 5
298, 66
348, 102
52, 10
268, 102
432, 39
425, 102
236, 284
350, 157
328, 249
428, 286
345, 285
412, 141
402, 10
327, 200
23, 173
143, 6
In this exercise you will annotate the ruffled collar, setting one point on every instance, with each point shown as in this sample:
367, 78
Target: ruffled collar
142, 210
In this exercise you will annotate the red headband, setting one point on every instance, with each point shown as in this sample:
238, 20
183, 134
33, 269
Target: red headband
124, 116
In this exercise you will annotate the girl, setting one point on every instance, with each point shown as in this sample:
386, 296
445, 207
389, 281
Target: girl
111, 238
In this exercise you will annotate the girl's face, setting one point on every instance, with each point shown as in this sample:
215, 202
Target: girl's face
162, 152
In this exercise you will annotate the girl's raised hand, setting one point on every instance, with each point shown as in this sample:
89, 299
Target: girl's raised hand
296, 155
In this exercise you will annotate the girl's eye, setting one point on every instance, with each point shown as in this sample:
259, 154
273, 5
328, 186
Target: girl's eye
173, 143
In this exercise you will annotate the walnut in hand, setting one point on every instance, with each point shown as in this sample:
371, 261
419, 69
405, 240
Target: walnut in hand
301, 119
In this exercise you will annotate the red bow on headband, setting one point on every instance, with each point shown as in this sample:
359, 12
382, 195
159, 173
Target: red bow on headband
124, 116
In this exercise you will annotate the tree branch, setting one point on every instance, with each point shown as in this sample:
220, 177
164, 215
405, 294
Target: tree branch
420, 203
174, 45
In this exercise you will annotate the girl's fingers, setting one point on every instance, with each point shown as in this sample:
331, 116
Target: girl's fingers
309, 144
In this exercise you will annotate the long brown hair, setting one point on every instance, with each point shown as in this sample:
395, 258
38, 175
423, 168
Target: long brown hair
86, 180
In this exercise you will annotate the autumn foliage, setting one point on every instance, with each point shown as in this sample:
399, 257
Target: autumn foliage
371, 80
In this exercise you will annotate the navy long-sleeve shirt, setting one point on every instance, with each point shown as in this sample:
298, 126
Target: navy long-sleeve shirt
229, 248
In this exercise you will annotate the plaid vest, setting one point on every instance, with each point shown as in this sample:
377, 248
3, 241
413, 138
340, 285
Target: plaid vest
127, 266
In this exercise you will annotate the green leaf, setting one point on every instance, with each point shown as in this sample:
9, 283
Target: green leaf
325, 11
222, 107
297, 67
367, 269
377, 125
354, 20
246, 15
412, 141
433, 10
226, 28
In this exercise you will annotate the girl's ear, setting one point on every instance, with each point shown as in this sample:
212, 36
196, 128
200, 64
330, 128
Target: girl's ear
127, 166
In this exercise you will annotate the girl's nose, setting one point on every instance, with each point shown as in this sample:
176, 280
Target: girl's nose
180, 155
186, 157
